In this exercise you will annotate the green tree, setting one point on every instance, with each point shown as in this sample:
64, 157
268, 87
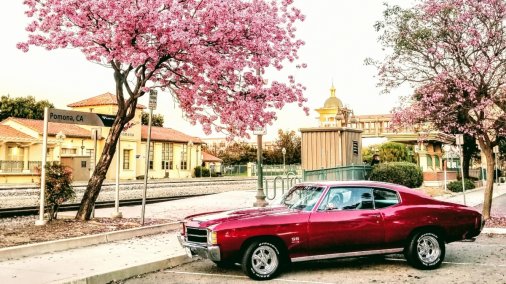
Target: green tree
23, 107
292, 144
389, 152
156, 119
395, 152
237, 154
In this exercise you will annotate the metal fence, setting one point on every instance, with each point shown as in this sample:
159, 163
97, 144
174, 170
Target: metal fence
18, 166
277, 170
338, 173
234, 170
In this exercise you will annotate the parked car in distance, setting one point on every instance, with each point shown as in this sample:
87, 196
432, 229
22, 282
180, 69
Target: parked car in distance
326, 220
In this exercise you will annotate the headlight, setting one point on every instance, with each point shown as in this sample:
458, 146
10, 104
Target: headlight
212, 237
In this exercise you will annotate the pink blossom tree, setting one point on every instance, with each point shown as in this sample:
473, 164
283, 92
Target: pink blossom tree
453, 52
210, 54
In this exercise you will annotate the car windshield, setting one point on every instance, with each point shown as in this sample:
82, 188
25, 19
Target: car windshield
302, 197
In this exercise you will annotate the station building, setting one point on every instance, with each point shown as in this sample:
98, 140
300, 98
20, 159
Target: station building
173, 154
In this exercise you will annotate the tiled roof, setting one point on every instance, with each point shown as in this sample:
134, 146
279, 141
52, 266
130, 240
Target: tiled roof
100, 100
206, 157
168, 134
12, 134
70, 130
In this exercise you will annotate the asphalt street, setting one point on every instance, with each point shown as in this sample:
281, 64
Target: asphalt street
482, 261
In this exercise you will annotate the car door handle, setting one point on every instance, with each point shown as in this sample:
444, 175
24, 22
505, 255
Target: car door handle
375, 216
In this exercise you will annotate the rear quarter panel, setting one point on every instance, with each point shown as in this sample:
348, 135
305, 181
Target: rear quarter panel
416, 212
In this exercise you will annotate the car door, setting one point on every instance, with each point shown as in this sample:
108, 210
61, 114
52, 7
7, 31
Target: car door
345, 221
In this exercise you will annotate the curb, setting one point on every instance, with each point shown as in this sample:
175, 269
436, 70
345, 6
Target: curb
494, 231
132, 271
66, 244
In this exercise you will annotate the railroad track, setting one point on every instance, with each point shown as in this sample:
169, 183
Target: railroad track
139, 184
33, 210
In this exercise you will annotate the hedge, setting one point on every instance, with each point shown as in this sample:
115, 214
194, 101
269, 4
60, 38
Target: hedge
403, 173
456, 186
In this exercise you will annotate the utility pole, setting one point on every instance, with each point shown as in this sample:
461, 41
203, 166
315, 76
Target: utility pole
152, 105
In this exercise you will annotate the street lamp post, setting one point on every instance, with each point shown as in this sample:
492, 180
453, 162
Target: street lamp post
260, 197
284, 154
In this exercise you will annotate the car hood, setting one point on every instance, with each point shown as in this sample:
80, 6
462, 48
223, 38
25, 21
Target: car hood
213, 218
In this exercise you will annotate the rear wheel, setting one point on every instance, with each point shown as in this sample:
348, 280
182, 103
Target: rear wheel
262, 260
426, 250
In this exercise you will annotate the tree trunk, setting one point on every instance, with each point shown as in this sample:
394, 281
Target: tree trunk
95, 183
489, 188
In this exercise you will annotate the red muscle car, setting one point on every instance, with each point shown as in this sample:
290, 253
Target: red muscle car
325, 220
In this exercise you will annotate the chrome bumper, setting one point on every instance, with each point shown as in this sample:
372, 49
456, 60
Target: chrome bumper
202, 250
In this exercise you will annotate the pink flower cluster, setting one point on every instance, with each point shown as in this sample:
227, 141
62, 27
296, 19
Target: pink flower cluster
453, 52
210, 54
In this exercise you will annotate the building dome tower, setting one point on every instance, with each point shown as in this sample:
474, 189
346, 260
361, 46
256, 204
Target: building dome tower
330, 109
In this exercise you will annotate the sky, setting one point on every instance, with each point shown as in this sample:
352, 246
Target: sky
339, 36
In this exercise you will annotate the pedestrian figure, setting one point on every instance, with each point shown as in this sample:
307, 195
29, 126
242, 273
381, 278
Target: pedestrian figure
375, 159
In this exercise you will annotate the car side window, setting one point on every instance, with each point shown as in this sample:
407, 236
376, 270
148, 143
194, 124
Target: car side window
385, 198
347, 198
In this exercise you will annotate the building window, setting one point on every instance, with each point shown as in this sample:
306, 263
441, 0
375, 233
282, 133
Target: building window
167, 156
184, 159
151, 154
89, 152
68, 151
126, 159
15, 153
83, 164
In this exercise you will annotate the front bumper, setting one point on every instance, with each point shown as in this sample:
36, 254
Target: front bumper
202, 250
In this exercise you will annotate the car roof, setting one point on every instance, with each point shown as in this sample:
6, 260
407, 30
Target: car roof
356, 183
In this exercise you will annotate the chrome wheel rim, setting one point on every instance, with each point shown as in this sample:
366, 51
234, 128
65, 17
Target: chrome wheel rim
264, 260
428, 249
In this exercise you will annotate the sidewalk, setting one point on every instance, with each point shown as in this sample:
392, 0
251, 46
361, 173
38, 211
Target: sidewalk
123, 259
473, 197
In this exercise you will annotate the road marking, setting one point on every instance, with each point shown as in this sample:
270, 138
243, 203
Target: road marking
243, 277
455, 263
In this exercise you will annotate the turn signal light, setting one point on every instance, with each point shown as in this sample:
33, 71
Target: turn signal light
212, 238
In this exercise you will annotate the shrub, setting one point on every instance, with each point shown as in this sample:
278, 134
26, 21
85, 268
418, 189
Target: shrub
456, 185
58, 187
403, 173
201, 171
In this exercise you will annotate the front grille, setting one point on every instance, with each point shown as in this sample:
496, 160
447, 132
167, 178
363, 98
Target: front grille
196, 235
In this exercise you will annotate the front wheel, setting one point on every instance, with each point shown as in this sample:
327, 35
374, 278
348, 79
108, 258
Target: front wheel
261, 260
425, 251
